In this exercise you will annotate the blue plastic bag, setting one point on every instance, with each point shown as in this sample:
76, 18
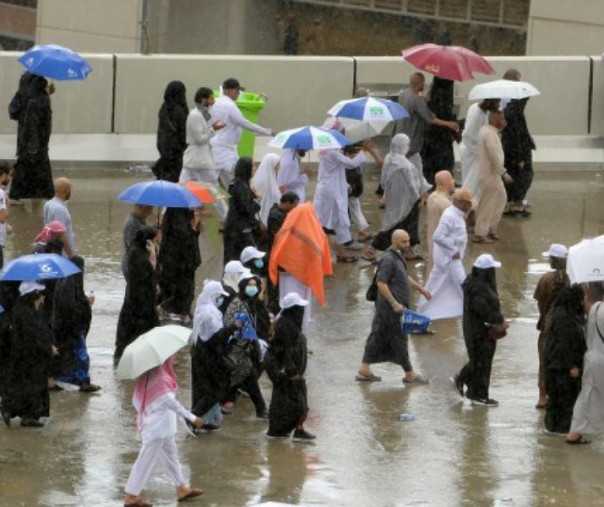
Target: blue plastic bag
247, 331
414, 322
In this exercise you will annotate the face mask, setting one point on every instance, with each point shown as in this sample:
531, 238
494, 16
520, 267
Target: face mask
218, 302
259, 263
251, 291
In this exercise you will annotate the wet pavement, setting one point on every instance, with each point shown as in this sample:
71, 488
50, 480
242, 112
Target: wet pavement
452, 454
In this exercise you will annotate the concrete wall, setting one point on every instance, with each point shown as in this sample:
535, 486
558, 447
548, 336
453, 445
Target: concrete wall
300, 89
565, 27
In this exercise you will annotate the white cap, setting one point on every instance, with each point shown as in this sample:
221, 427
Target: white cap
27, 287
213, 287
486, 261
556, 250
234, 267
249, 253
292, 299
246, 275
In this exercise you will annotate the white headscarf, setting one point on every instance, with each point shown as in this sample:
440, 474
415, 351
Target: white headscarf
265, 183
207, 319
399, 146
232, 272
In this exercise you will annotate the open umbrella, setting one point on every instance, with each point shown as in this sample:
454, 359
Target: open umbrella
160, 193
38, 267
309, 138
447, 62
151, 349
586, 261
206, 192
503, 88
55, 62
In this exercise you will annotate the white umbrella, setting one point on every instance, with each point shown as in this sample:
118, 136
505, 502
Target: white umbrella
586, 261
358, 130
503, 88
151, 349
309, 138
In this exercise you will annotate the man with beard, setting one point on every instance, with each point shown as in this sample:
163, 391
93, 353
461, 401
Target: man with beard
387, 342
481, 318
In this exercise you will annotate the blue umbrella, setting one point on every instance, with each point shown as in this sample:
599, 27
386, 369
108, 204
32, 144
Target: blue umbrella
309, 138
369, 109
38, 267
55, 62
160, 193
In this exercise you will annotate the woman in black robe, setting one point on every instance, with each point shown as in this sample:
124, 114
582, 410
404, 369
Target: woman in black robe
9, 293
172, 132
481, 310
30, 358
72, 317
243, 208
437, 152
285, 364
564, 352
179, 257
139, 310
33, 175
247, 302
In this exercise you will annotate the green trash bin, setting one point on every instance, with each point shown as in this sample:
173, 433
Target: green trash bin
250, 105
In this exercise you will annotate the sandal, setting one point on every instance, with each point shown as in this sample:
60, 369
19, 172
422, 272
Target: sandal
193, 493
578, 441
367, 378
347, 258
138, 503
482, 239
414, 257
418, 379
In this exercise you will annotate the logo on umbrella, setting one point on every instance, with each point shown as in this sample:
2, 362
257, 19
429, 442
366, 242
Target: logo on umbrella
71, 72
281, 137
324, 140
30, 60
432, 68
376, 111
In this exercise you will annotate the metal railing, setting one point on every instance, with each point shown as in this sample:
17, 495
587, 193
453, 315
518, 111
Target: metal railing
511, 14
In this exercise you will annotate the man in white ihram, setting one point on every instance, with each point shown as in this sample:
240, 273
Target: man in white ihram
224, 143
447, 275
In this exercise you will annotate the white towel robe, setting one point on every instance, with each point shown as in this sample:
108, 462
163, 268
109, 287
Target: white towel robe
468, 150
447, 275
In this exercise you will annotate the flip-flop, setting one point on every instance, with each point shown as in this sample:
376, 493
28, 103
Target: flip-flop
419, 380
367, 378
194, 493
579, 441
347, 258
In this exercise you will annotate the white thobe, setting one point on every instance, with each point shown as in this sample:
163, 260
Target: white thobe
331, 194
289, 175
198, 164
224, 143
157, 430
447, 274
475, 119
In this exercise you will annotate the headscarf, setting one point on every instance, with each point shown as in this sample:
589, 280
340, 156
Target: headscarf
207, 319
265, 183
243, 169
232, 272
396, 157
153, 384
49, 230
175, 96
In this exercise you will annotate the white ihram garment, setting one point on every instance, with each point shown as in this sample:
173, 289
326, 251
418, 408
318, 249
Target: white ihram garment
447, 274
468, 150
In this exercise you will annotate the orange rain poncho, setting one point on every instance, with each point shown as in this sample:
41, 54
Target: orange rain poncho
301, 248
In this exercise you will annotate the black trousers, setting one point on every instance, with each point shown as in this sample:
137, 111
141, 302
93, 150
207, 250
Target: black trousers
523, 178
410, 223
476, 374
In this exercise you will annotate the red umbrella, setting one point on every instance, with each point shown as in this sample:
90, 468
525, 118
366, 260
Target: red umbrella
448, 62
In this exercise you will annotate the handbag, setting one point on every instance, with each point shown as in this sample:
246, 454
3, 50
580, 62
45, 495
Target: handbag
372, 290
354, 177
497, 331
238, 362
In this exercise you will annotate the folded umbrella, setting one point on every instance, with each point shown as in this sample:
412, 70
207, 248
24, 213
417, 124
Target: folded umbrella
55, 62
38, 267
160, 193
503, 88
151, 349
585, 261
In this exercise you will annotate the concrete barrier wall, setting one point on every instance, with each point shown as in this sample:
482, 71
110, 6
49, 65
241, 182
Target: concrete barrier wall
300, 89
78, 107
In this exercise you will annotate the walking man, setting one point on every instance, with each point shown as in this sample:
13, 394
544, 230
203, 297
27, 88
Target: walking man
386, 341
56, 209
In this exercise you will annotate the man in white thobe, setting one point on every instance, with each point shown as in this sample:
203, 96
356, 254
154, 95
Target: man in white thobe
291, 176
450, 241
224, 143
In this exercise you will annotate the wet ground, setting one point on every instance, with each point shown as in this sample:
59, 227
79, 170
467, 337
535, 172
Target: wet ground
452, 454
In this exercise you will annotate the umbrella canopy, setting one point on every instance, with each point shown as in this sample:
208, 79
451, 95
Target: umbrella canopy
151, 349
357, 130
38, 267
447, 62
55, 62
205, 192
369, 109
503, 88
586, 261
309, 138
160, 193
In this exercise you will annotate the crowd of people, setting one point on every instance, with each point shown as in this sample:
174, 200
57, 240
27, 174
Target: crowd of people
275, 254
